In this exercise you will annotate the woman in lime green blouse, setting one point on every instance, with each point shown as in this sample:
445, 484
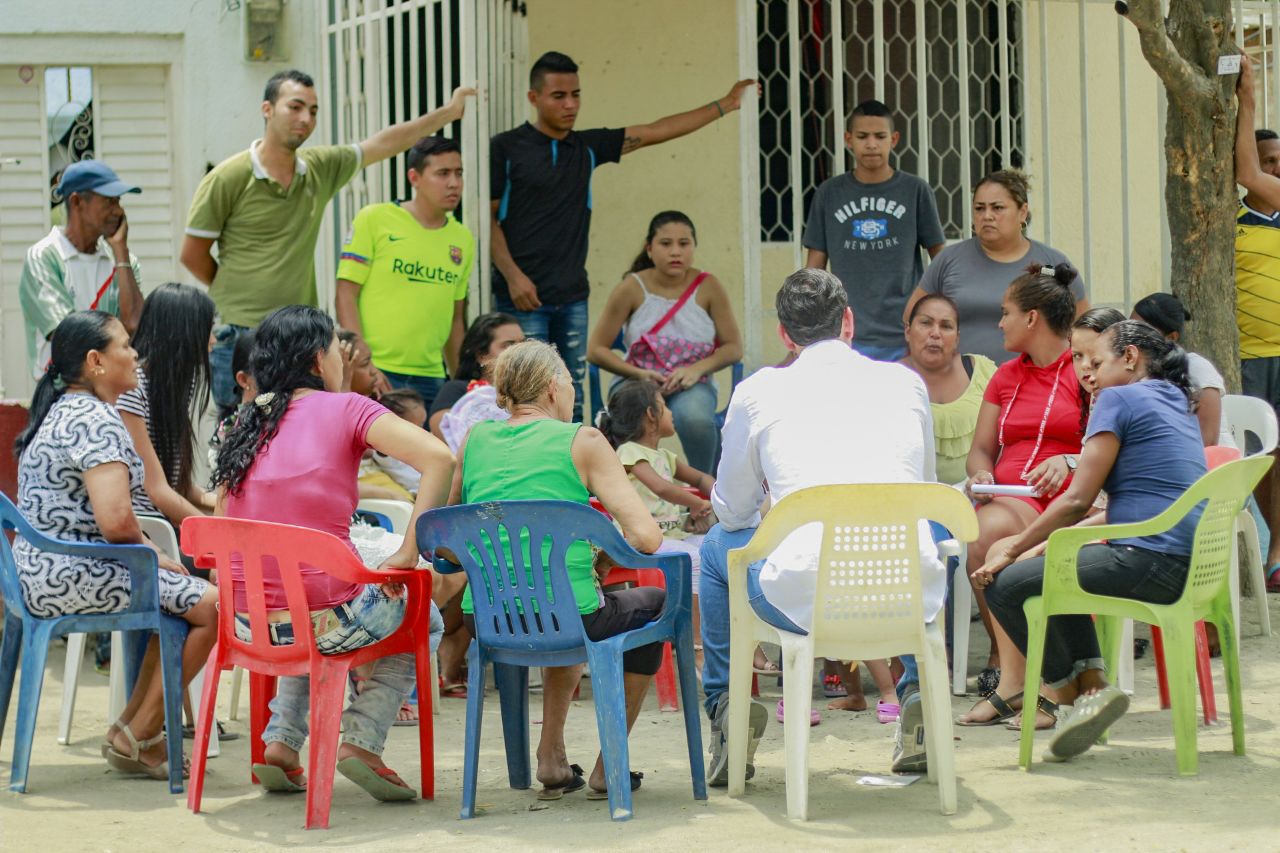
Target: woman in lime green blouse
540, 454
955, 382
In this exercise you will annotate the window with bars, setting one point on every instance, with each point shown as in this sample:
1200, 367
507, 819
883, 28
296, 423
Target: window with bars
935, 104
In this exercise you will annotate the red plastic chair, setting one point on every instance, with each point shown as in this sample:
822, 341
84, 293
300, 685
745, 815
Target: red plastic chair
213, 541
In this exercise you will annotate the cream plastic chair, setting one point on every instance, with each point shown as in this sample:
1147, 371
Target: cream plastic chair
868, 604
1247, 415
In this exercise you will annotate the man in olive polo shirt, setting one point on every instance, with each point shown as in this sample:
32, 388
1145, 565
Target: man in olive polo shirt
263, 207
402, 281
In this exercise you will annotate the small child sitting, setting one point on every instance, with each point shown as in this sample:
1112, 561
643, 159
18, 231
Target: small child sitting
406, 404
635, 421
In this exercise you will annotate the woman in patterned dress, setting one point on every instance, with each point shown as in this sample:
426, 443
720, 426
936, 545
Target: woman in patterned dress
77, 474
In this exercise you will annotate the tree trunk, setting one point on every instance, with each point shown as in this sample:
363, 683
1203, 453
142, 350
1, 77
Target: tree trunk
1200, 192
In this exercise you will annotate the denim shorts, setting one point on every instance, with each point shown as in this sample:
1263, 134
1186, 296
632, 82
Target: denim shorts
370, 617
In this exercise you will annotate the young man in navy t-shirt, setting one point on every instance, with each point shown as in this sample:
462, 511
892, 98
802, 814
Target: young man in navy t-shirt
870, 225
541, 203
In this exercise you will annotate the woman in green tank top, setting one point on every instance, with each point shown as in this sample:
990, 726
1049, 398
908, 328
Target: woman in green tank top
539, 454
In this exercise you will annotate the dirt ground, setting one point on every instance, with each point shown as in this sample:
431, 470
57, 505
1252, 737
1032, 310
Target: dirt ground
1124, 796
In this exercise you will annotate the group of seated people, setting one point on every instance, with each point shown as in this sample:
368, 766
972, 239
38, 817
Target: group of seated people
1105, 417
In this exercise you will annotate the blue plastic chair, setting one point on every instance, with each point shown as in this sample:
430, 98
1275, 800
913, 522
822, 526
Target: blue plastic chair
28, 637
554, 636
597, 399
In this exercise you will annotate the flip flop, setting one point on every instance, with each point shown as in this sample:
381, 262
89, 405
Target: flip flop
277, 780
189, 732
457, 690
559, 789
1273, 578
636, 776
375, 782
412, 722
814, 716
1004, 711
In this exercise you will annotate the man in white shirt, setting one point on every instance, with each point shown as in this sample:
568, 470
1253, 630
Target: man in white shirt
832, 416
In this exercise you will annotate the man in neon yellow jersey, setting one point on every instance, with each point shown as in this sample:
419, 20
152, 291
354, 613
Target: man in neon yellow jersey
402, 280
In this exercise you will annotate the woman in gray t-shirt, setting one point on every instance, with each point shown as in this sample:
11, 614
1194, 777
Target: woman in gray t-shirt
976, 272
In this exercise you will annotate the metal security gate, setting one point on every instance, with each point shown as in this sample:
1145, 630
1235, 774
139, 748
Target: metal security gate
387, 61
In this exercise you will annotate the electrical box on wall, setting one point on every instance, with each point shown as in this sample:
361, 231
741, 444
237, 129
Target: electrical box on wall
264, 30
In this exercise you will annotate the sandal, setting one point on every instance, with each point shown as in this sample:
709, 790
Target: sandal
559, 789
278, 780
1004, 710
814, 716
769, 667
132, 763
377, 783
887, 712
1044, 705
189, 732
833, 687
406, 706
453, 690
636, 776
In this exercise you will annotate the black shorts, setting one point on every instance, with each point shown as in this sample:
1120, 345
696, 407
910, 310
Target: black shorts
1260, 377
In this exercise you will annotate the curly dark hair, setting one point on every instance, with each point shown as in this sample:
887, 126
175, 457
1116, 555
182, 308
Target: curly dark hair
284, 351
476, 342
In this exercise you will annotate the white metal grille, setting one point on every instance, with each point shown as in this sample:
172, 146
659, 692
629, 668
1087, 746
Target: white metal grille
387, 61
913, 54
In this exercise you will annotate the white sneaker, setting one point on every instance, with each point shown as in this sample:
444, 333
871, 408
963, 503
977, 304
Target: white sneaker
909, 753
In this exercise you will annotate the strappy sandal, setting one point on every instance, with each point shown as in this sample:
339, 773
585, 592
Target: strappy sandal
1004, 711
1044, 705
132, 763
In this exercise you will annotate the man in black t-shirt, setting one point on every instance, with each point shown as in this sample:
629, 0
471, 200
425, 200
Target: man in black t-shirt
541, 203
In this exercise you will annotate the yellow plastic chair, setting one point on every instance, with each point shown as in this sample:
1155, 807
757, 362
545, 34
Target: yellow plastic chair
868, 604
1207, 596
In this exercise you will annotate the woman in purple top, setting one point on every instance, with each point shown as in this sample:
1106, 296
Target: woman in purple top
1143, 446
292, 458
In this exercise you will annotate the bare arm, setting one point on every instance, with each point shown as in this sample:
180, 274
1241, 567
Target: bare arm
1249, 172
347, 302
401, 440
623, 301
453, 346
155, 483
700, 480
666, 489
816, 260
390, 141
126, 281
681, 124
524, 293
108, 488
981, 463
1209, 414
197, 257
604, 477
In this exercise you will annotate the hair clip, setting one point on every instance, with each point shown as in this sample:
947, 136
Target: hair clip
1052, 272
264, 401
58, 383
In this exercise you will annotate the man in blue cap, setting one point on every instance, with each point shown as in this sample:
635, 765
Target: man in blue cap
83, 265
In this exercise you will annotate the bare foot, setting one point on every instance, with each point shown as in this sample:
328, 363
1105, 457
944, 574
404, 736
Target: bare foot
848, 703
280, 755
554, 769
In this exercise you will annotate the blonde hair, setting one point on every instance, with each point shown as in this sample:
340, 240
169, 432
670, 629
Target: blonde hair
523, 372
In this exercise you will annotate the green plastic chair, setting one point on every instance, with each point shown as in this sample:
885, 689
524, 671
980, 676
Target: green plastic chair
1206, 596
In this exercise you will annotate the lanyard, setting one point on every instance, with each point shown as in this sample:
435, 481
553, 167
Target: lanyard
93, 306
1044, 420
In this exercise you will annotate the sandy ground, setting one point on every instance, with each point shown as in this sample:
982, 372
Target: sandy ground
1128, 793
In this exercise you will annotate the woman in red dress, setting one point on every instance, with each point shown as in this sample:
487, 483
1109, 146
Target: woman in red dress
1028, 433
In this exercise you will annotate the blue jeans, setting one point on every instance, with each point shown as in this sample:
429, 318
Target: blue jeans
225, 392
562, 326
893, 352
427, 386
713, 605
368, 718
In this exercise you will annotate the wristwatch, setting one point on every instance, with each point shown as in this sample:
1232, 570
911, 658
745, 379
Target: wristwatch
1072, 462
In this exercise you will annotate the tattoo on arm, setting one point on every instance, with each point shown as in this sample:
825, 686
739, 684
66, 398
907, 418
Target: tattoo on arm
631, 143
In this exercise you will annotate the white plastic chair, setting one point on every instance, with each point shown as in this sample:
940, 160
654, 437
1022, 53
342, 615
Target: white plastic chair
1245, 416
868, 604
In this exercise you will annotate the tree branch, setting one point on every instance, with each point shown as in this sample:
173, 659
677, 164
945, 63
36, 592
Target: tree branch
1181, 79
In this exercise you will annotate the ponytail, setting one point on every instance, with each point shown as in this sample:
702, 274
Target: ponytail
1165, 360
666, 217
1047, 289
73, 339
629, 406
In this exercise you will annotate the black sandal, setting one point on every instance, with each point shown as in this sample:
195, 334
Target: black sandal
559, 789
1044, 705
636, 776
1004, 711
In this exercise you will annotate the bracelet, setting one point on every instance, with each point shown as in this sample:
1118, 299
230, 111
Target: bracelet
120, 264
719, 108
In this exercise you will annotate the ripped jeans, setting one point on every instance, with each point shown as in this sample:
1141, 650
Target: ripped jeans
562, 326
366, 619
